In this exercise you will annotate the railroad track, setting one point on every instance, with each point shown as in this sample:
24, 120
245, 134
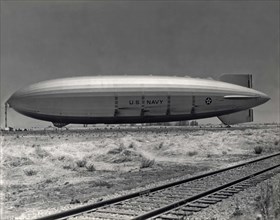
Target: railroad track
179, 199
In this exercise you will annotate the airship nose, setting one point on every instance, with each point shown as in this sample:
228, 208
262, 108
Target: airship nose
264, 98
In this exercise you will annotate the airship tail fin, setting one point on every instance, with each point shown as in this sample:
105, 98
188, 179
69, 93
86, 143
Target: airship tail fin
238, 79
238, 117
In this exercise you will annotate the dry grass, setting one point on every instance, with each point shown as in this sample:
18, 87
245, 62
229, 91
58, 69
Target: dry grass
192, 153
41, 152
30, 172
91, 168
116, 150
130, 146
81, 163
112, 155
237, 210
258, 150
75, 201
268, 202
145, 163
102, 183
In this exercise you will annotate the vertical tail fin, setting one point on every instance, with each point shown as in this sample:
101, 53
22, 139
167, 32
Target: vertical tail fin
238, 79
238, 117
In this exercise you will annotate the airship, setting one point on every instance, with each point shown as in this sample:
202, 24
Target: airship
138, 99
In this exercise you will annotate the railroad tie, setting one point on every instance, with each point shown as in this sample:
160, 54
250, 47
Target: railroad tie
190, 209
171, 196
110, 216
245, 184
209, 202
135, 207
185, 192
239, 187
171, 217
153, 201
179, 212
211, 199
223, 193
198, 205
218, 196
232, 191
116, 211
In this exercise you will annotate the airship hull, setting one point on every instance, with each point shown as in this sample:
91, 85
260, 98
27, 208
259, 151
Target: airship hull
121, 119
138, 99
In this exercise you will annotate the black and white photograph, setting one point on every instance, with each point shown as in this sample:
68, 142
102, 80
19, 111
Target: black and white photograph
130, 109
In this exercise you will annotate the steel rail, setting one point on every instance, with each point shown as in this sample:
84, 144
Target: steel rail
87, 208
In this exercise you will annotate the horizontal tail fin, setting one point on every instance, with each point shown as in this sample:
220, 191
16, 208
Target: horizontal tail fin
238, 117
238, 79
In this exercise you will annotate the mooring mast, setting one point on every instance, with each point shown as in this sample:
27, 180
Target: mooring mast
6, 116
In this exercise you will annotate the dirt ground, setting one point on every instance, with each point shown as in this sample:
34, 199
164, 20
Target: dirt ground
44, 170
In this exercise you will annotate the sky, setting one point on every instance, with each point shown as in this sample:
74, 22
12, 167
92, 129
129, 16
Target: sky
42, 40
